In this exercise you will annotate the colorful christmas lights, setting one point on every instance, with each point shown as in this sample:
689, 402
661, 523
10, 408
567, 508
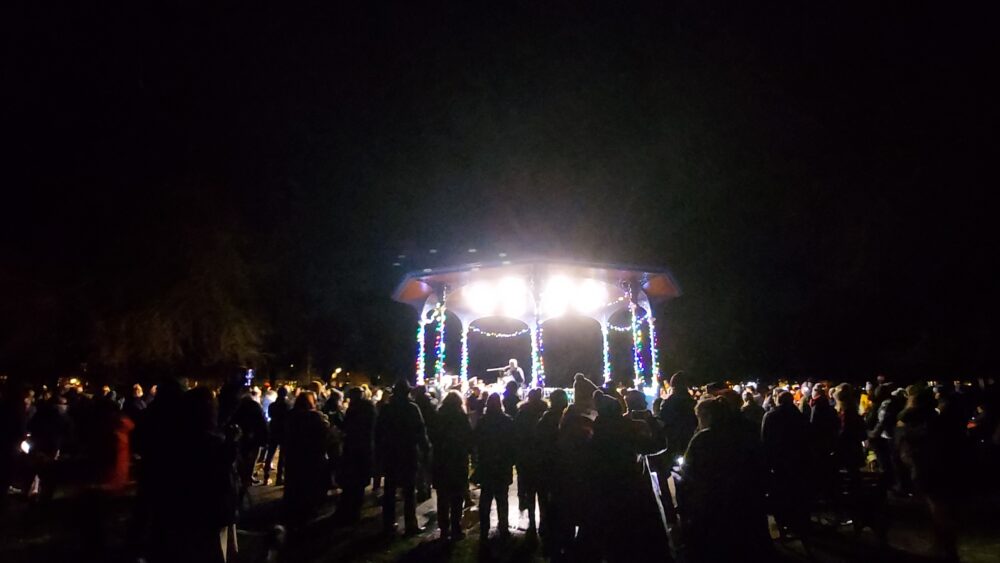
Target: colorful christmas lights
421, 350
607, 352
465, 353
439, 345
653, 344
636, 340
537, 367
540, 380
627, 328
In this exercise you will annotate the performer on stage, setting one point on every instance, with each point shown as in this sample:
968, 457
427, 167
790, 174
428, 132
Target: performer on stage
514, 372
510, 373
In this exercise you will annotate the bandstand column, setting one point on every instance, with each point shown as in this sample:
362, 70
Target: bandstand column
537, 341
537, 363
653, 354
465, 352
636, 338
439, 344
422, 322
606, 350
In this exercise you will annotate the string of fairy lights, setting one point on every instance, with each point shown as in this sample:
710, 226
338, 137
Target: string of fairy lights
606, 351
538, 351
465, 353
628, 328
514, 334
439, 345
421, 350
438, 314
636, 338
653, 347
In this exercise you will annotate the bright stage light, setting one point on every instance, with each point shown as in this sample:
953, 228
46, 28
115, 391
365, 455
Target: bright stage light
561, 293
589, 296
513, 296
479, 296
557, 295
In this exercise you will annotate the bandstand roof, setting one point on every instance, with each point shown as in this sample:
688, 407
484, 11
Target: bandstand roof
604, 282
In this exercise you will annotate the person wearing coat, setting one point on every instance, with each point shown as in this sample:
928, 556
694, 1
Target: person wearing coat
804, 402
357, 463
875, 426
451, 438
306, 442
103, 464
629, 526
677, 416
752, 411
575, 502
721, 494
511, 398
785, 434
927, 451
547, 437
205, 496
494, 440
849, 452
134, 405
527, 452
401, 437
277, 412
422, 397
249, 416
824, 425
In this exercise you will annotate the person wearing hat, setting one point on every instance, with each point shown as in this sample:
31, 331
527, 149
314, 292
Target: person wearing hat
583, 393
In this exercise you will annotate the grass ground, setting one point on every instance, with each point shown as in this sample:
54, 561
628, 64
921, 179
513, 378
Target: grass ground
30, 534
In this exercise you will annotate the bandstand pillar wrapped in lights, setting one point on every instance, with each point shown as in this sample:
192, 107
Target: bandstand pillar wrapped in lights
534, 292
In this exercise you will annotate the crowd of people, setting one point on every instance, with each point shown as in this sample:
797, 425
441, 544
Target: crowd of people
603, 473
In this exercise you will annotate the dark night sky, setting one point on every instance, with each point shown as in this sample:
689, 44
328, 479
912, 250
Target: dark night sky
816, 175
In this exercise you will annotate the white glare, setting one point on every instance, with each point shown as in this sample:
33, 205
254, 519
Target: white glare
589, 296
557, 295
513, 296
479, 296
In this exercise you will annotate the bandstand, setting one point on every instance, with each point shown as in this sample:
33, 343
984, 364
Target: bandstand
533, 292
